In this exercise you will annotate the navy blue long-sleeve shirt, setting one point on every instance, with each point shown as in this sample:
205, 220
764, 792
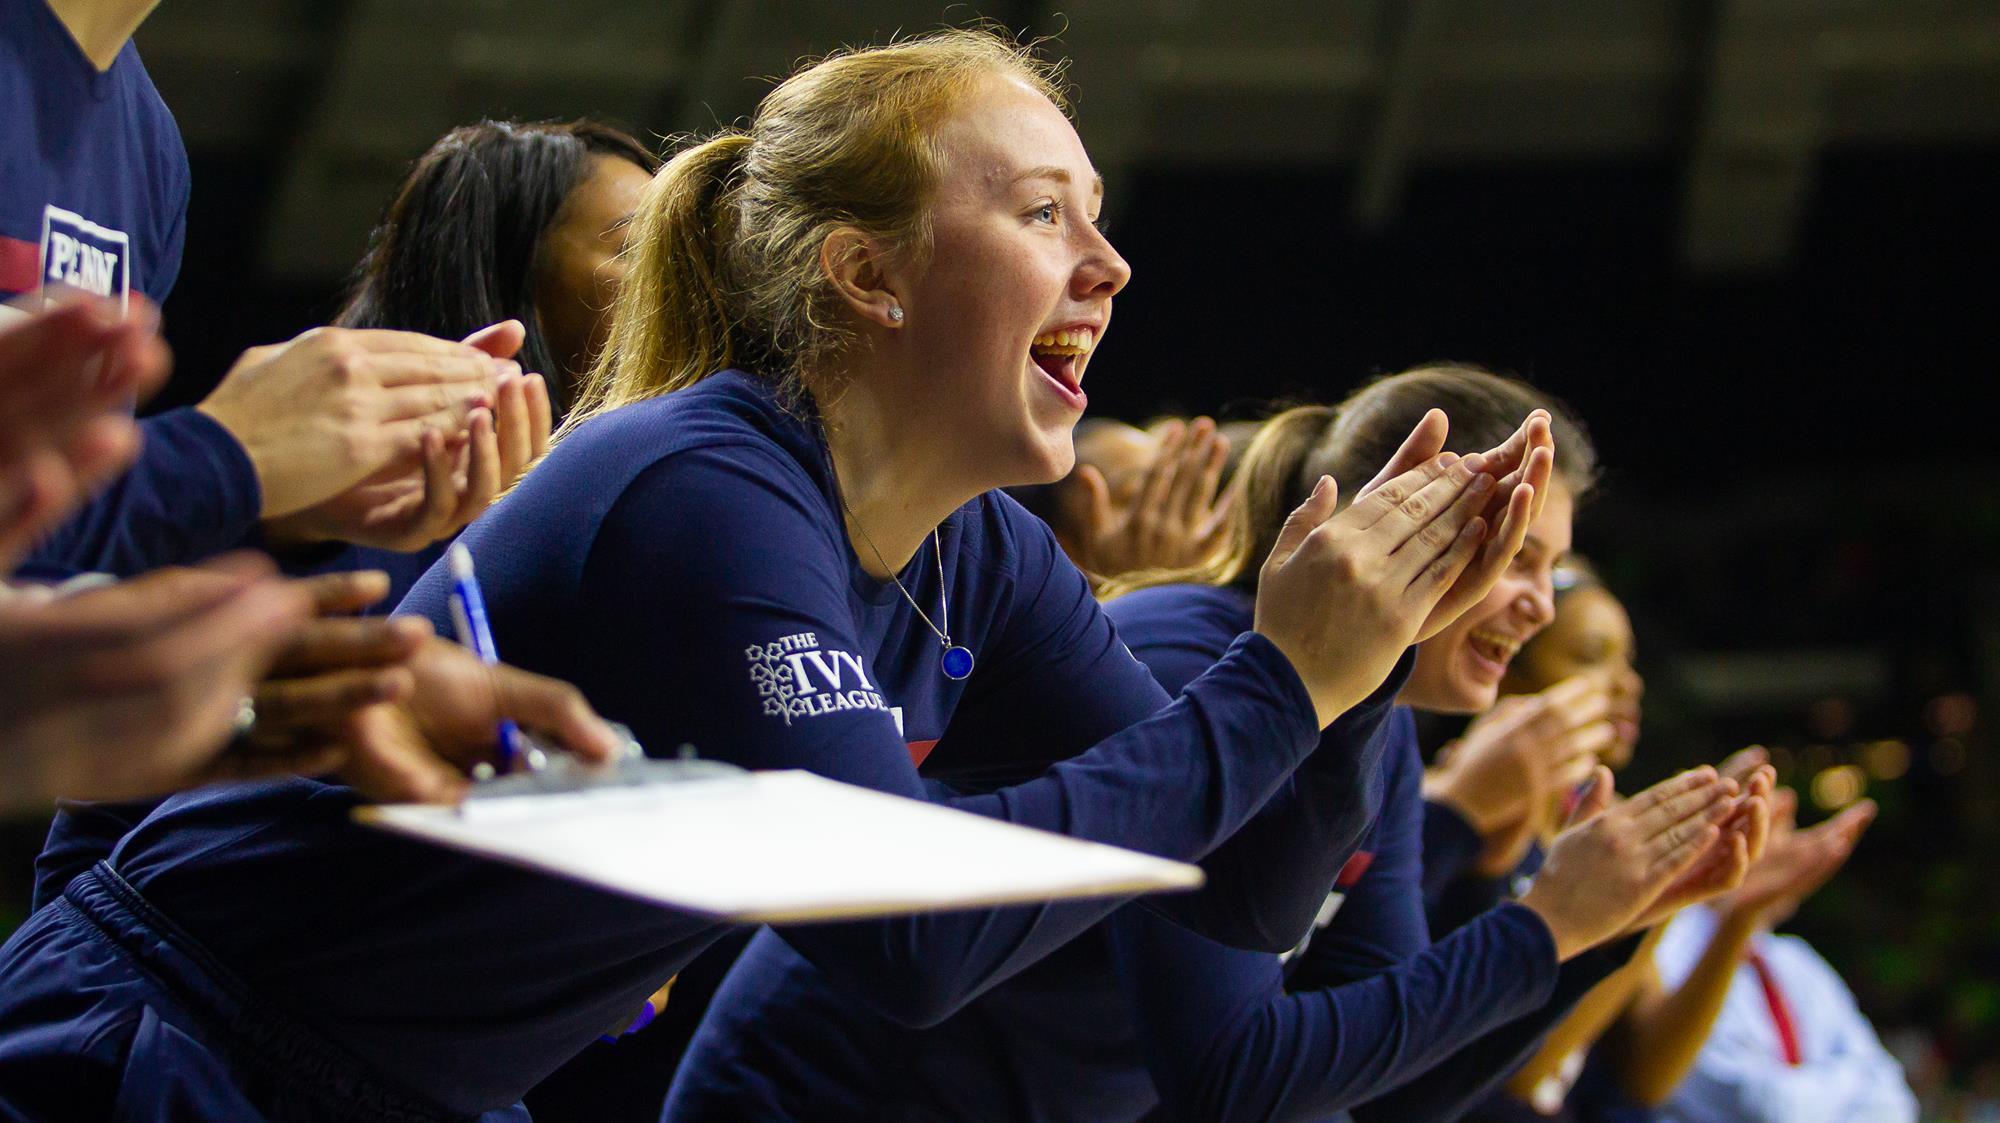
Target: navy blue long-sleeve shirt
1056, 1041
93, 196
1371, 1017
1451, 846
93, 175
1455, 896
684, 561
1369, 1004
190, 495
1281, 865
1146, 1017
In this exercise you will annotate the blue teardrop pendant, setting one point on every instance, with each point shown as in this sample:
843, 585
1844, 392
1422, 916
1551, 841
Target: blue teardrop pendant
957, 663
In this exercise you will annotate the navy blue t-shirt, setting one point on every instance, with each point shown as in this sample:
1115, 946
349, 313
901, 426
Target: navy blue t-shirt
94, 195
93, 177
684, 561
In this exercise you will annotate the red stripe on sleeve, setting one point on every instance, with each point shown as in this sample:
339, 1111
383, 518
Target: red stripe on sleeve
1355, 867
20, 266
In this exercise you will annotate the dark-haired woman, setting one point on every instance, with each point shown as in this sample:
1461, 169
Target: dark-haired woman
1147, 1014
841, 331
504, 220
496, 221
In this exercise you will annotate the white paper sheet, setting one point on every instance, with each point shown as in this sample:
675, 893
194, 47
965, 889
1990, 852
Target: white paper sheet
766, 847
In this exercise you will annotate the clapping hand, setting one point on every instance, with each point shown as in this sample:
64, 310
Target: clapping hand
454, 476
1504, 774
134, 689
1344, 592
1739, 843
329, 409
68, 376
1797, 862
1608, 870
1179, 517
1522, 465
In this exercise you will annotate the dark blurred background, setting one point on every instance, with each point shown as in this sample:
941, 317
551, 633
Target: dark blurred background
1740, 237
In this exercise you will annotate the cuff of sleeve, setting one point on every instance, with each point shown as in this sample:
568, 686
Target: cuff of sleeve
1385, 694
1534, 933
1369, 710
1287, 688
199, 439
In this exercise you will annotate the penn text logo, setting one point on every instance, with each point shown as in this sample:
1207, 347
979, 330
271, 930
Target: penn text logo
79, 254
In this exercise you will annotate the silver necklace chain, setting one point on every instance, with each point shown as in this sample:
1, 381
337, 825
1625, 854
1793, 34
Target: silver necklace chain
956, 662
944, 606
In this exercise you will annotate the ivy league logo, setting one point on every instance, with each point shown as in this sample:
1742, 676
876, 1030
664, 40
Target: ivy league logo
795, 677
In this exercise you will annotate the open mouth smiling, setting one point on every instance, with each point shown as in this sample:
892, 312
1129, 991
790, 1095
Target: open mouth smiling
1494, 647
1060, 356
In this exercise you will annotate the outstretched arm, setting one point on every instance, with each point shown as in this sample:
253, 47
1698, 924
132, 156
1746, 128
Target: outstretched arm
1225, 1042
1268, 881
735, 646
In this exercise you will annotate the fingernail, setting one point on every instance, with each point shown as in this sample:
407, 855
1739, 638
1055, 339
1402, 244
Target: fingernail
1475, 462
1481, 482
506, 369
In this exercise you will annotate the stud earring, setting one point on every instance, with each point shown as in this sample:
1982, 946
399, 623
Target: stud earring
896, 312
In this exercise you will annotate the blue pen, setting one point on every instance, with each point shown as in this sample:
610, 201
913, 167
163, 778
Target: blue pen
468, 619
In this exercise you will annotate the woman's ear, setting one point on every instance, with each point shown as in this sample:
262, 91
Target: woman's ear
855, 264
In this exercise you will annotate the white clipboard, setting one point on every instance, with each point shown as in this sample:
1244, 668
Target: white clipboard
771, 847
